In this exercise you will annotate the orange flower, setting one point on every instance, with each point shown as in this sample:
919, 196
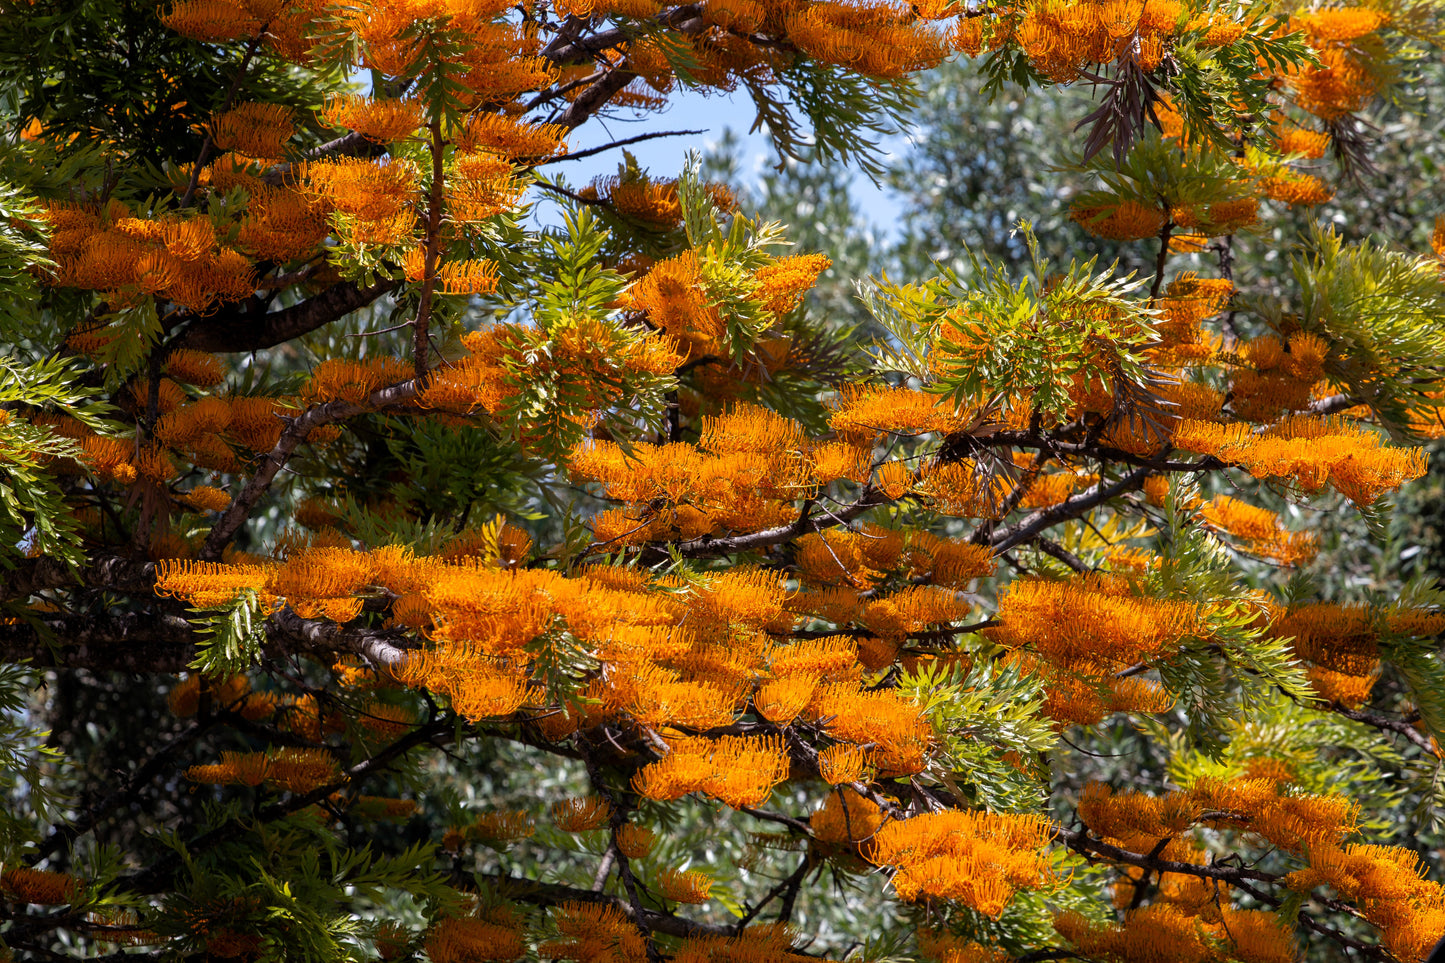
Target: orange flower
580, 815
684, 886
25, 885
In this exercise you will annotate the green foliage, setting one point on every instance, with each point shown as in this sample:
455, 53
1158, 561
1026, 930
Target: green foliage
1034, 337
416, 482
33, 516
1379, 310
1157, 173
1214, 86
572, 283
108, 72
22, 246
1418, 659
1027, 921
979, 717
573, 304
229, 638
291, 888
26, 783
1326, 753
727, 259
849, 114
1212, 691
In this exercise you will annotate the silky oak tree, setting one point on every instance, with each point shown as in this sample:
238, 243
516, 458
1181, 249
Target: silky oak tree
390, 573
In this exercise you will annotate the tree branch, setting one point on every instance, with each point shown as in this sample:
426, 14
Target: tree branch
163, 642
806, 524
240, 330
1028, 528
578, 155
295, 433
553, 894
1386, 724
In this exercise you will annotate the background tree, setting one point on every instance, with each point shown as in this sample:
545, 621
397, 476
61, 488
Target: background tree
394, 579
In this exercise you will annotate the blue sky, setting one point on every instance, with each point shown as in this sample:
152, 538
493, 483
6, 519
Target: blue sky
711, 114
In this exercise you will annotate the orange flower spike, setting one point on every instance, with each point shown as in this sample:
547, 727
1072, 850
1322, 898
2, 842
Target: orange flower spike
207, 499
580, 815
875, 408
512, 139
1090, 619
1340, 25
682, 771
780, 700
822, 658
211, 21
25, 885
1127, 221
256, 130
977, 858
195, 368
635, 841
751, 430
380, 120
590, 928
893, 479
782, 284
684, 886
752, 598
464, 940
746, 768
957, 562
846, 818
502, 826
895, 727
302, 770
844, 763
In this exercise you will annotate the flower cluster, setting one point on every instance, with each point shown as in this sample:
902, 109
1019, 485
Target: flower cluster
976, 858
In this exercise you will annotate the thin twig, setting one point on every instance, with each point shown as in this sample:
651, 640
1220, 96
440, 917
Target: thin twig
578, 155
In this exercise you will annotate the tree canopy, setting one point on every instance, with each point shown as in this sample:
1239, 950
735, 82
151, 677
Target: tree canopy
409, 553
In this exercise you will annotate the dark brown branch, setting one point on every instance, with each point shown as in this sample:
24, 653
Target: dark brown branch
1050, 547
139, 642
594, 98
242, 330
291, 438
1029, 528
806, 524
573, 50
1385, 724
578, 155
164, 642
617, 818
554, 894
787, 888
112, 574
421, 343
796, 825
1161, 260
